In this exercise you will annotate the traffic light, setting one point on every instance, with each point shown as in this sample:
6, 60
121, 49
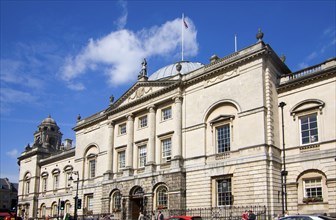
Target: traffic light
79, 203
62, 205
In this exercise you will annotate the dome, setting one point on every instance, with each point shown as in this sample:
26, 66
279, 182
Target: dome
170, 70
48, 120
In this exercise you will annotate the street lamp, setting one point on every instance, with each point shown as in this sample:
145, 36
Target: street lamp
283, 172
76, 197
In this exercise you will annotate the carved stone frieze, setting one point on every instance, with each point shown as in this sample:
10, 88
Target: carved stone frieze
221, 77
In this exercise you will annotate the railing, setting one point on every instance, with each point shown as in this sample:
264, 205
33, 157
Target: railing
302, 73
215, 213
223, 213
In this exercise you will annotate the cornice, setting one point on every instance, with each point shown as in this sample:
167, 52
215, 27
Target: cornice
231, 61
57, 157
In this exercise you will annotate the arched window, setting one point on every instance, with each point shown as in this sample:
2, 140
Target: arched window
56, 178
115, 201
90, 162
44, 185
43, 210
312, 187
161, 197
54, 209
26, 187
67, 207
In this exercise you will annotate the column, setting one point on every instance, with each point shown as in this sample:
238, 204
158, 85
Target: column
151, 137
177, 141
130, 137
109, 171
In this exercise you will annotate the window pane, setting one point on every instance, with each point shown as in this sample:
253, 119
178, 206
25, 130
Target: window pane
143, 122
166, 149
121, 159
142, 156
223, 138
122, 129
92, 168
224, 195
166, 113
313, 188
162, 197
309, 129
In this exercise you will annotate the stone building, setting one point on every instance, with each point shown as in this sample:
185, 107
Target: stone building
8, 194
195, 135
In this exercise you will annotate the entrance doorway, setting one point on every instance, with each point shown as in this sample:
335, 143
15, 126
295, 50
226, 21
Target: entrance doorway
136, 202
136, 207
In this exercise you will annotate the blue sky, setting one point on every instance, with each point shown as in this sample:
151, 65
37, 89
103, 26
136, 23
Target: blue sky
66, 58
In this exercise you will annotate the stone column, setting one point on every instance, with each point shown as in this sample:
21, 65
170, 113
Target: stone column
177, 141
109, 172
151, 138
130, 141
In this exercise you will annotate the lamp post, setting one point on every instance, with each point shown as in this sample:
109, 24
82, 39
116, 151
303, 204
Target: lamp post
283, 172
76, 197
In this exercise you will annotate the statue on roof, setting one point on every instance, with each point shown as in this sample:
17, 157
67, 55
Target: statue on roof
143, 72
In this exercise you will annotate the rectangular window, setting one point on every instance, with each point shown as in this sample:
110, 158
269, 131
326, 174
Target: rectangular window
166, 113
142, 155
143, 122
27, 186
166, 150
56, 181
92, 168
44, 184
89, 202
67, 177
121, 160
313, 188
309, 130
224, 194
223, 138
122, 129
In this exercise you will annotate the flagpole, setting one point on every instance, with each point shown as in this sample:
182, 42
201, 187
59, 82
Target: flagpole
235, 42
182, 34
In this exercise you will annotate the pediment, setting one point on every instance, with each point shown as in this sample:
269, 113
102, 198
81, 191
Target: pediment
142, 90
221, 118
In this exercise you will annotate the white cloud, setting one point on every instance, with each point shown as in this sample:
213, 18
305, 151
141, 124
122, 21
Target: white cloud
15, 72
121, 22
118, 55
9, 95
13, 153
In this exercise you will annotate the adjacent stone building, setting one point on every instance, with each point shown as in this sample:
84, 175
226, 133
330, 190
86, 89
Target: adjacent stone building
195, 135
8, 194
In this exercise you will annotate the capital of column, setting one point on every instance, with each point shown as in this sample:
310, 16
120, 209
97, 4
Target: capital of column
151, 108
177, 99
111, 123
130, 117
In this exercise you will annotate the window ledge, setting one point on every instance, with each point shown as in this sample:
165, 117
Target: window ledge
222, 156
311, 147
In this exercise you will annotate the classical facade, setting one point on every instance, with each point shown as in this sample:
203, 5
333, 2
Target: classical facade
196, 136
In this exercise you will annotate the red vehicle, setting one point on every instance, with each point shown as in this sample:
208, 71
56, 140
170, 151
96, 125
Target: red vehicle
185, 217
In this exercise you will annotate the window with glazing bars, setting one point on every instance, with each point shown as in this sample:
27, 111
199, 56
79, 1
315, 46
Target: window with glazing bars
142, 155
223, 138
166, 113
121, 160
309, 129
143, 121
224, 194
166, 150
313, 188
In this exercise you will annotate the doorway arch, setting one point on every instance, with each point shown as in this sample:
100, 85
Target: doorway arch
136, 202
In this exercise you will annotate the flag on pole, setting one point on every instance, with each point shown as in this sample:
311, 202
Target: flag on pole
185, 23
